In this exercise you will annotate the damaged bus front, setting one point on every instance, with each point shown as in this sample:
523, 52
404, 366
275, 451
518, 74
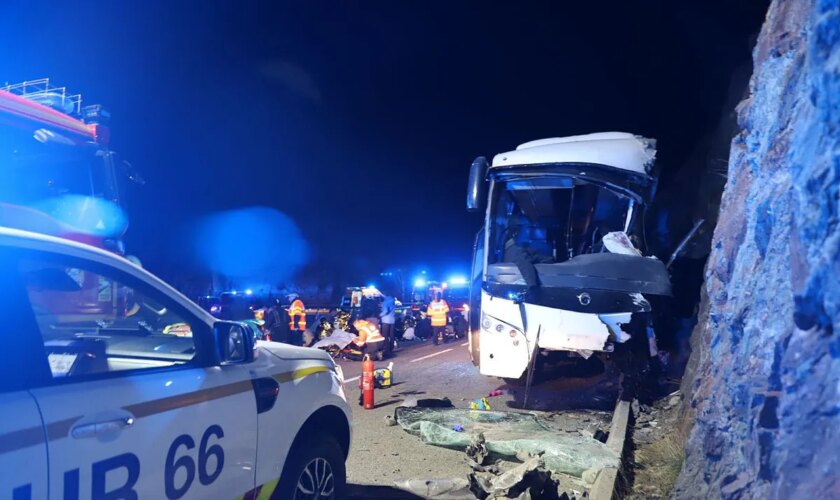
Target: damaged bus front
560, 268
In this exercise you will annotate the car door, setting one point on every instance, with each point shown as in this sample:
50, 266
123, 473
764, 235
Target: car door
23, 450
136, 407
23, 447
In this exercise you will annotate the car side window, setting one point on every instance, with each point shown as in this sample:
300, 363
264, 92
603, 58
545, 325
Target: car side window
93, 322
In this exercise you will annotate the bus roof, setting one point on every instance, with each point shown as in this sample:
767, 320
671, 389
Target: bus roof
620, 150
38, 114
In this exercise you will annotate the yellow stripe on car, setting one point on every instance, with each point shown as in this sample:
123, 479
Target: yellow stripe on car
267, 489
300, 373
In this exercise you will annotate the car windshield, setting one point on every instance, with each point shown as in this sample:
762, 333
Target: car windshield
554, 217
83, 313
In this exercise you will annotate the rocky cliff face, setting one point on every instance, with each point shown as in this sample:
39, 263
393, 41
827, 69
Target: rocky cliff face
764, 377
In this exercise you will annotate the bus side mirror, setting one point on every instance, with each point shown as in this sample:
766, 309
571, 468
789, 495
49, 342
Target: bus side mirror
477, 184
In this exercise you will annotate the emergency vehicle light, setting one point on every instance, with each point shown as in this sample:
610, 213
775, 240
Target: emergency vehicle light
95, 113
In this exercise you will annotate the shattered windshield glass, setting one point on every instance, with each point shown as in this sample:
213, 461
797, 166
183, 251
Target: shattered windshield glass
556, 218
506, 434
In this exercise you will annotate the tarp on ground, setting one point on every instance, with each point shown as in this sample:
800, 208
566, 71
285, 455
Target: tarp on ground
505, 435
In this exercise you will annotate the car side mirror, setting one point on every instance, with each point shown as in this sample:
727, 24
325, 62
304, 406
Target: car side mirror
477, 184
235, 342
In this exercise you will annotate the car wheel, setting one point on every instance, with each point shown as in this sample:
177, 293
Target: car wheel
314, 472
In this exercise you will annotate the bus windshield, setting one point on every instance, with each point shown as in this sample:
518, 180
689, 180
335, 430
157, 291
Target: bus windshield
554, 217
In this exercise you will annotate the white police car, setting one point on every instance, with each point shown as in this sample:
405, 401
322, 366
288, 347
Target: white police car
114, 386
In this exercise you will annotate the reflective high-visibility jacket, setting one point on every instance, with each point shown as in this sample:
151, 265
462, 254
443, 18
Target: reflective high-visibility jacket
297, 312
437, 311
368, 332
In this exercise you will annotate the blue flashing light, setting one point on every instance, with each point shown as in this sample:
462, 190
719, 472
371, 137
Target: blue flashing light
83, 214
234, 292
372, 285
269, 257
249, 292
457, 281
419, 283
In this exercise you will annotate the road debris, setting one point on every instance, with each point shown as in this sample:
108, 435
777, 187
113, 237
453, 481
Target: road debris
527, 481
426, 403
477, 451
437, 489
494, 469
480, 404
590, 475
504, 435
652, 423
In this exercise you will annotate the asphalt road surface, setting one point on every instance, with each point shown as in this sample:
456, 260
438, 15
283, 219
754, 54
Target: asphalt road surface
382, 455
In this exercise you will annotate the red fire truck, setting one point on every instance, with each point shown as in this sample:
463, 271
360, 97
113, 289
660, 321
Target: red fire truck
58, 176
57, 173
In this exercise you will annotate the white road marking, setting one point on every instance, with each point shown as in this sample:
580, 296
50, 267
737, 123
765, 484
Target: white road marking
352, 379
465, 344
430, 355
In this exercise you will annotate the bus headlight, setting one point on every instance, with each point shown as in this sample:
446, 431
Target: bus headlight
486, 322
490, 324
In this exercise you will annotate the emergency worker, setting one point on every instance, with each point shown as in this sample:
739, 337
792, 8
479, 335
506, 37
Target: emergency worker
370, 339
275, 325
387, 316
437, 311
297, 319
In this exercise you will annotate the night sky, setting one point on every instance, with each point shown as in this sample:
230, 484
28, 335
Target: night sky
359, 120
